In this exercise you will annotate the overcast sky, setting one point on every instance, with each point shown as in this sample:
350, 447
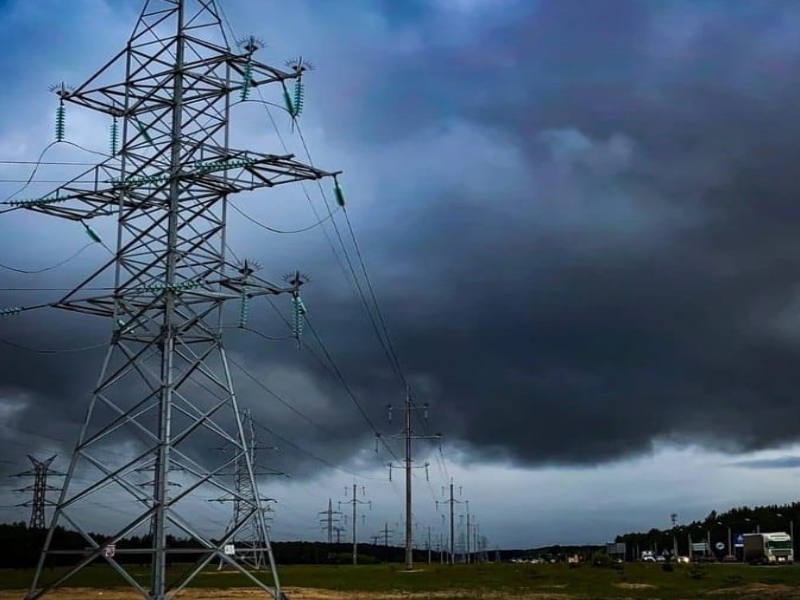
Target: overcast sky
579, 217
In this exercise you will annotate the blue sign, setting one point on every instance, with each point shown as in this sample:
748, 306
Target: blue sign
739, 541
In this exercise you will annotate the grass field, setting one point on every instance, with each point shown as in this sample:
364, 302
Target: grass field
511, 581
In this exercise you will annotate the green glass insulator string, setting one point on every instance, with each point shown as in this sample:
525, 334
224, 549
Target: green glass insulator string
61, 124
298, 314
338, 193
114, 137
244, 302
298, 98
248, 72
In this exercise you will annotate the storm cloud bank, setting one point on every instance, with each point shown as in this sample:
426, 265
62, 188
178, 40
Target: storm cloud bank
580, 219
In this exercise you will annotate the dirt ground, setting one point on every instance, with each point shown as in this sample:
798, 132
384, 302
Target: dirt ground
292, 593
750, 592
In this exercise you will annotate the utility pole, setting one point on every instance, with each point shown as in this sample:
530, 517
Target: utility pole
429, 544
328, 520
355, 502
40, 472
674, 520
165, 382
452, 502
469, 533
409, 435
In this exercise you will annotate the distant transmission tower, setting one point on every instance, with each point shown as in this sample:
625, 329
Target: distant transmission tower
248, 544
40, 472
165, 393
330, 519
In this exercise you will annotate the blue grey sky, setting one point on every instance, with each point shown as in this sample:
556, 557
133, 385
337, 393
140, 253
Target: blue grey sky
579, 217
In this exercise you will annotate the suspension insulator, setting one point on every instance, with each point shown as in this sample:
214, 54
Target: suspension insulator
114, 137
61, 128
339, 194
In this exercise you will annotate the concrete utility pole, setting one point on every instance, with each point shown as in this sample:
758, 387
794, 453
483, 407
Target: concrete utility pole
355, 502
674, 519
429, 544
328, 520
409, 435
452, 502
469, 533
40, 472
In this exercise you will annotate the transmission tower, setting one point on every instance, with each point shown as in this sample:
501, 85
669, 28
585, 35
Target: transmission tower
355, 502
408, 435
40, 472
330, 520
385, 534
165, 383
248, 544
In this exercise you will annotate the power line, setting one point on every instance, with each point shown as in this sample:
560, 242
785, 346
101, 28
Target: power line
285, 231
52, 351
280, 399
389, 347
336, 372
61, 263
310, 454
52, 163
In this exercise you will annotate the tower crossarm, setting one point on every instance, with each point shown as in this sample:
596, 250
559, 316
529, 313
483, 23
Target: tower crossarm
206, 74
141, 300
147, 188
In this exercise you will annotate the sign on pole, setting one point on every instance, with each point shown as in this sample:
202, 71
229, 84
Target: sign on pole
720, 546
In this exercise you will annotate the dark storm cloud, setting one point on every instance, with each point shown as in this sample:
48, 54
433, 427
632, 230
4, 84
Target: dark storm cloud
783, 462
663, 310
629, 278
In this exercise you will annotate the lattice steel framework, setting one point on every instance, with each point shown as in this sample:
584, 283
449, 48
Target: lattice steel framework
248, 543
165, 393
40, 471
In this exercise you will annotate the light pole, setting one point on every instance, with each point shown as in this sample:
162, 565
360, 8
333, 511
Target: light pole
791, 530
730, 538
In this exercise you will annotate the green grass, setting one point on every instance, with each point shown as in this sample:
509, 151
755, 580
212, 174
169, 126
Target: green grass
470, 580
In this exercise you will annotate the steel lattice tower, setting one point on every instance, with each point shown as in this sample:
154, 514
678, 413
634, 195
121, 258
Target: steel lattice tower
250, 541
165, 394
40, 471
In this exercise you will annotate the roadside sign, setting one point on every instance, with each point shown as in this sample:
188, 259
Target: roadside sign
739, 541
720, 546
109, 550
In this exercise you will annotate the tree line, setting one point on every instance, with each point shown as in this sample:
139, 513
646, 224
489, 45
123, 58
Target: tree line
20, 547
716, 527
